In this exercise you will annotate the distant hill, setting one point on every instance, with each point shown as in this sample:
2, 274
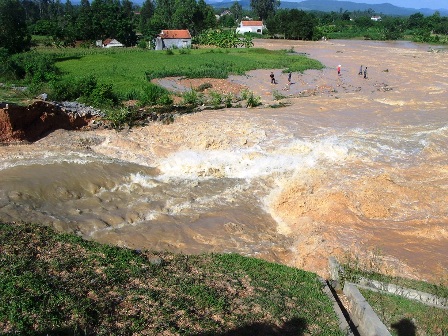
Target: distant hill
336, 6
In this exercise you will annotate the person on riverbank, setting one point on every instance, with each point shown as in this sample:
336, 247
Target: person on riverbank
339, 69
360, 71
272, 78
365, 72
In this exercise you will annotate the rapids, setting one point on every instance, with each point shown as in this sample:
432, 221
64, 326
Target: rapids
358, 167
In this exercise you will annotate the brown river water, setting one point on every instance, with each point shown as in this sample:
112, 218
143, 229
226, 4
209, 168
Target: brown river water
351, 167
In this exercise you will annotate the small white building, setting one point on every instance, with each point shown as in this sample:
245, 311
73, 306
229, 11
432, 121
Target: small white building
376, 18
169, 39
250, 27
108, 43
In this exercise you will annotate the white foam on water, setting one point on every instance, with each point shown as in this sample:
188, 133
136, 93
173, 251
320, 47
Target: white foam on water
136, 180
253, 162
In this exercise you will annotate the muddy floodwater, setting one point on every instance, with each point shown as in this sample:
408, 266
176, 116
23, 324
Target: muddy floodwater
352, 166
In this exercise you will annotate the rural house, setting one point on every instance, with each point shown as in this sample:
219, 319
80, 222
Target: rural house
109, 43
169, 39
250, 27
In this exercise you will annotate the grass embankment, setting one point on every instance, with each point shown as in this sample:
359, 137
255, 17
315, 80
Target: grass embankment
407, 317
60, 284
403, 316
130, 69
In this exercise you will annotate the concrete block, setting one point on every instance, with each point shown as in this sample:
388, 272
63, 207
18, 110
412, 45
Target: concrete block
362, 314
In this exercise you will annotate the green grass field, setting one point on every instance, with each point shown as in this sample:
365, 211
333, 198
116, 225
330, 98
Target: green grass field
407, 317
130, 69
54, 284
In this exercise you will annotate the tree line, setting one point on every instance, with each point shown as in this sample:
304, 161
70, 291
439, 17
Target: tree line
121, 19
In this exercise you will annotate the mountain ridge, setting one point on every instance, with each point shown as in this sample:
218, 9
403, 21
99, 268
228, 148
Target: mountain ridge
336, 6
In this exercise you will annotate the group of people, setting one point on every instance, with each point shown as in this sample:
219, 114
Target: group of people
273, 81
362, 72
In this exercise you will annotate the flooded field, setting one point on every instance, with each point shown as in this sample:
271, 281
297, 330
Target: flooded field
351, 166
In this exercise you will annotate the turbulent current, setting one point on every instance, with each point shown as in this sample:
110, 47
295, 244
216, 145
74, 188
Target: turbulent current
353, 167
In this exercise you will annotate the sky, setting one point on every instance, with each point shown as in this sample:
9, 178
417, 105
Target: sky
433, 4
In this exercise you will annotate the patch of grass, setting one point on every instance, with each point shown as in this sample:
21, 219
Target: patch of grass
407, 317
127, 68
60, 284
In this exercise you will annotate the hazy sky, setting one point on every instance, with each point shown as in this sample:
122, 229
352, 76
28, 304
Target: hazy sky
433, 4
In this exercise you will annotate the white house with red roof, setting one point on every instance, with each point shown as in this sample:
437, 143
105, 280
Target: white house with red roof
169, 39
109, 43
250, 27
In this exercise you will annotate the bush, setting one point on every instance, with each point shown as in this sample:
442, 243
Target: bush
216, 99
34, 67
153, 94
252, 100
120, 117
191, 98
102, 96
86, 90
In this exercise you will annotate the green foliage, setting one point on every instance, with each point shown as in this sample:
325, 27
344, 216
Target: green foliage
228, 99
277, 95
120, 117
192, 97
264, 8
216, 99
86, 90
102, 95
293, 24
154, 95
14, 35
32, 67
224, 39
252, 100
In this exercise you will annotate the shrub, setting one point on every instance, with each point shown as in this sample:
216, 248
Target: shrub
228, 99
191, 97
120, 117
252, 100
102, 96
216, 99
165, 100
34, 67
277, 95
152, 94
169, 52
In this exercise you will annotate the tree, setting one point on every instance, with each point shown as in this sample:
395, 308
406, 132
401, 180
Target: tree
263, 8
237, 11
146, 13
294, 24
14, 35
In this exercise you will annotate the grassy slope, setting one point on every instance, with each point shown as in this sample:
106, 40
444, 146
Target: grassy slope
60, 284
126, 68
407, 317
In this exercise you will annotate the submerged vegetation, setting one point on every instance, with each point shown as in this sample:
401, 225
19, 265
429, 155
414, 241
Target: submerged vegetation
61, 284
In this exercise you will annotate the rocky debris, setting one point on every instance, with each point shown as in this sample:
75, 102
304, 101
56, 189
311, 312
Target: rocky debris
31, 123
